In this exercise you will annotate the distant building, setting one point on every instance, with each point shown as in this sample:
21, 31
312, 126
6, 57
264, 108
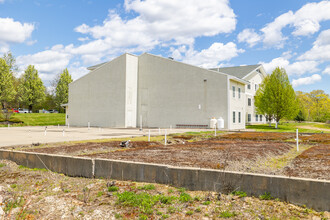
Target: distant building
162, 92
254, 74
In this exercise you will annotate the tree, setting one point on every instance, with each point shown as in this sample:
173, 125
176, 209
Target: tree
31, 88
278, 95
300, 117
62, 88
262, 103
7, 89
11, 61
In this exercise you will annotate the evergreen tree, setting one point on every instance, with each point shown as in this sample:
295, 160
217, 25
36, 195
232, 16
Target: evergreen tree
62, 88
31, 88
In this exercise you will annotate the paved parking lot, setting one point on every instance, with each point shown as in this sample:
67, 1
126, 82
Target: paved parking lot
27, 135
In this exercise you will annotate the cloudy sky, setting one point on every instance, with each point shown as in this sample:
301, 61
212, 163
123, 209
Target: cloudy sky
53, 35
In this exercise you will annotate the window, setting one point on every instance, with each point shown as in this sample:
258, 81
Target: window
260, 117
249, 102
256, 117
234, 91
256, 86
239, 117
234, 119
249, 117
249, 86
239, 93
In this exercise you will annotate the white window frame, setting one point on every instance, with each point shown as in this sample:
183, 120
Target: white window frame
249, 102
233, 91
239, 117
249, 117
239, 92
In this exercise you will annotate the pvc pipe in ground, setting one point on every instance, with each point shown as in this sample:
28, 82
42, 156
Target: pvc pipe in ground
149, 135
215, 130
165, 136
45, 131
297, 140
63, 132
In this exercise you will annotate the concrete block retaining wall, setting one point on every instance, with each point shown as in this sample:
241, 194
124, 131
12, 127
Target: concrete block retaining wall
312, 193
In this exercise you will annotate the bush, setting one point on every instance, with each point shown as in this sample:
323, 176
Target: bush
266, 196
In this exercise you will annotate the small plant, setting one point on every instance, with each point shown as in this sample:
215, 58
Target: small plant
143, 201
167, 199
118, 216
207, 203
266, 196
11, 204
171, 209
13, 186
189, 212
239, 193
2, 165
66, 190
198, 209
143, 217
159, 213
182, 190
185, 197
113, 188
147, 187
196, 198
86, 192
227, 214
165, 216
99, 194
170, 190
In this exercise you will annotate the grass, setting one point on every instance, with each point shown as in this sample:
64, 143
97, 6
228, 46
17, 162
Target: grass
2, 165
240, 194
266, 196
288, 127
38, 119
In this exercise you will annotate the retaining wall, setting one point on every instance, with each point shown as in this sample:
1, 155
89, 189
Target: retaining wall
312, 193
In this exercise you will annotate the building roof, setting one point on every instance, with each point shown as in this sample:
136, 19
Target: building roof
238, 71
95, 66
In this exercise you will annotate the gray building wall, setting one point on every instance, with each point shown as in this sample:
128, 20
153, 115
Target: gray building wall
171, 92
99, 97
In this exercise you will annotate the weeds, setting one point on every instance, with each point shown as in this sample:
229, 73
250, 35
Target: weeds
2, 165
185, 197
113, 188
240, 194
227, 214
266, 196
143, 201
147, 187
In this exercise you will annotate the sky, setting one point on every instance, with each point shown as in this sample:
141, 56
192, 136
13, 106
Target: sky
54, 35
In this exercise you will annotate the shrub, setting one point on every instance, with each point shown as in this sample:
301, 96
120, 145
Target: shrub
143, 201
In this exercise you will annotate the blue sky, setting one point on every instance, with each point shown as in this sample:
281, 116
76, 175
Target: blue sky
53, 35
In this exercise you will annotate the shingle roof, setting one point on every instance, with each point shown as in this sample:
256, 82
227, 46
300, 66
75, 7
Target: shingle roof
238, 71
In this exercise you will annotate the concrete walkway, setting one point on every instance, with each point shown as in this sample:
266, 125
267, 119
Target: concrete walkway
27, 135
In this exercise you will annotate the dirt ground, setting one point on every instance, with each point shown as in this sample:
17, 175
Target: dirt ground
257, 152
41, 194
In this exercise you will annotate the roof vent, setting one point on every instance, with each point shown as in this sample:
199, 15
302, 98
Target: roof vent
171, 58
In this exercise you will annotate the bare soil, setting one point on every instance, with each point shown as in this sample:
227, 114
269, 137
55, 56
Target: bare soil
41, 194
258, 152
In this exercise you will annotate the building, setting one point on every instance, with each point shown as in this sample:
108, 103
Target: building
254, 74
153, 91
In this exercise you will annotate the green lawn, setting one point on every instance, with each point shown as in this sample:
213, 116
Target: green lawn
291, 127
40, 119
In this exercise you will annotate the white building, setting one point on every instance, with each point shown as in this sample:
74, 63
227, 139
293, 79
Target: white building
254, 74
159, 92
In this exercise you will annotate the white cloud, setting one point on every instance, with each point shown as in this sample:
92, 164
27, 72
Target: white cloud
48, 62
296, 68
305, 21
13, 32
321, 48
326, 70
212, 56
161, 22
249, 36
306, 80
2, 1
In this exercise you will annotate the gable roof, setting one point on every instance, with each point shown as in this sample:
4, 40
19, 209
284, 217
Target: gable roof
238, 71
